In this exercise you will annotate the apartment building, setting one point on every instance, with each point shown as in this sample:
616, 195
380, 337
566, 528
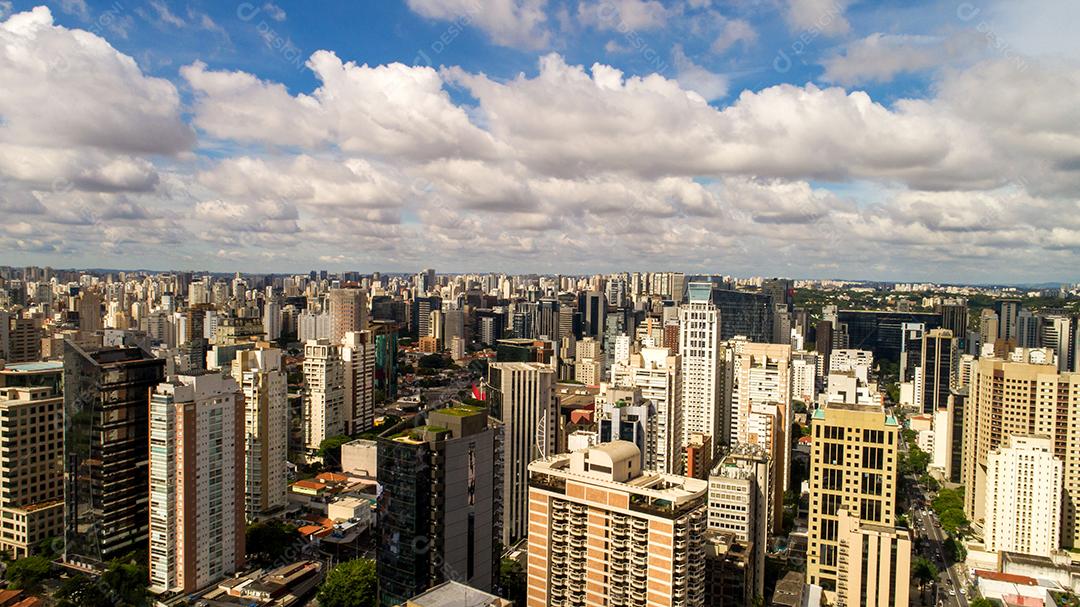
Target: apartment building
604, 532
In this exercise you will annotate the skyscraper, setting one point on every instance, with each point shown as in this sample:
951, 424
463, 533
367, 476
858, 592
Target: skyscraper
324, 393
440, 504
596, 510
262, 380
939, 363
763, 388
1021, 399
699, 347
657, 374
106, 452
522, 397
348, 312
742, 501
358, 357
32, 470
1023, 496
853, 473
196, 482
593, 308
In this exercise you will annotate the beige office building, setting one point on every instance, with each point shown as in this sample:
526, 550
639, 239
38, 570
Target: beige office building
261, 377
877, 564
31, 457
853, 468
1022, 399
348, 312
604, 532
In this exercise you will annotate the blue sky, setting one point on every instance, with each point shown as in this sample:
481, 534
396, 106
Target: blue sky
922, 140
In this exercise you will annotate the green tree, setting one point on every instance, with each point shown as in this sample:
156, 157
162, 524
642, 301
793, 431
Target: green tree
512, 581
914, 462
27, 573
123, 584
924, 571
953, 521
330, 449
350, 584
435, 361
268, 542
980, 602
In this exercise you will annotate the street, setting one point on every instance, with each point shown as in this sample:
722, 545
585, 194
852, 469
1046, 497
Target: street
950, 582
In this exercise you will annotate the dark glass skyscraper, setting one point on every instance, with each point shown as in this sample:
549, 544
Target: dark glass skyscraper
440, 509
106, 452
880, 331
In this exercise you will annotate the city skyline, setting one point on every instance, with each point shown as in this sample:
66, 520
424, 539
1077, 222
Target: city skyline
926, 142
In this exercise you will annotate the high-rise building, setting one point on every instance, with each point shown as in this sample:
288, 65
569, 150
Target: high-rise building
386, 350
699, 347
106, 464
262, 380
593, 308
622, 414
939, 360
23, 339
522, 397
1021, 399
604, 532
989, 321
762, 377
272, 321
324, 393
741, 501
440, 504
358, 358
853, 469
32, 470
878, 561
589, 363
1008, 311
880, 331
348, 312
1023, 496
656, 373
954, 317
196, 482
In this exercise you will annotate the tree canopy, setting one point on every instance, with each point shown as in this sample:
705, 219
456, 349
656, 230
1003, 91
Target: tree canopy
123, 584
330, 449
350, 584
268, 542
28, 572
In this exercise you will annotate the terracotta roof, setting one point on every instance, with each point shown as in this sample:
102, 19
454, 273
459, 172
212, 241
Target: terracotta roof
306, 484
1011, 578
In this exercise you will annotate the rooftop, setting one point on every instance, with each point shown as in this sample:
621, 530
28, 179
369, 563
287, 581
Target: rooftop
455, 594
34, 367
461, 410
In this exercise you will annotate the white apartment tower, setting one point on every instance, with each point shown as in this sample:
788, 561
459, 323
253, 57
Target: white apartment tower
262, 379
699, 347
196, 482
324, 393
1023, 497
657, 374
523, 396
